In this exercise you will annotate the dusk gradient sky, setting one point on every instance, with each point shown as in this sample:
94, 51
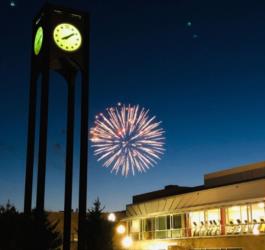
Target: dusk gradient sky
199, 66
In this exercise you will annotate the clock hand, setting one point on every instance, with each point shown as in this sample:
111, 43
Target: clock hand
66, 37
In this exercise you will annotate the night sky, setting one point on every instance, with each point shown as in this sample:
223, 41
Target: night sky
199, 66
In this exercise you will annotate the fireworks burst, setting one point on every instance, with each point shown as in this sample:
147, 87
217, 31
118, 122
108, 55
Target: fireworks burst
126, 139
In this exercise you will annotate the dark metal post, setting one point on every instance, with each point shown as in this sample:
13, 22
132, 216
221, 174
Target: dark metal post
83, 162
84, 140
31, 143
43, 141
69, 165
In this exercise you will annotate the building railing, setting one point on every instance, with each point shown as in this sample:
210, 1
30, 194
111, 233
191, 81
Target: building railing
246, 228
204, 230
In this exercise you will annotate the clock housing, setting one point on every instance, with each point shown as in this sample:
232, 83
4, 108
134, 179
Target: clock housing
65, 39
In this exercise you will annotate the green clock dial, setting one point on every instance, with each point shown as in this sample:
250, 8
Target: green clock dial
38, 40
67, 37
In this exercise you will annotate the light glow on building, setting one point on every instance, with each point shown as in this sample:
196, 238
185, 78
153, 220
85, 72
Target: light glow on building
120, 229
127, 241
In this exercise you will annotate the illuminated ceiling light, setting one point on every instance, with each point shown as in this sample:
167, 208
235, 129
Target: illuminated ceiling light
127, 242
112, 217
121, 229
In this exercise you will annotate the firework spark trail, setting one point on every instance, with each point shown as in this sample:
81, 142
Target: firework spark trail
126, 139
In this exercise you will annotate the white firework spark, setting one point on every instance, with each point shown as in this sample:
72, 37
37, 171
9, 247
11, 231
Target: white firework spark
126, 139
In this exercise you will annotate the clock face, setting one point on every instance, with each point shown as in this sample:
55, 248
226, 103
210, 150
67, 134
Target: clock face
38, 40
67, 37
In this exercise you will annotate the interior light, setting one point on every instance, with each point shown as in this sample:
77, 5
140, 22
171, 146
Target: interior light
235, 208
112, 217
261, 205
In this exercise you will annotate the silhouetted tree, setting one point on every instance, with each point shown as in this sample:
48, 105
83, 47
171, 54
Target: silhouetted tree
21, 232
99, 231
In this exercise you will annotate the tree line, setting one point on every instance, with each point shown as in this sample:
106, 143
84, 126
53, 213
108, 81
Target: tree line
29, 232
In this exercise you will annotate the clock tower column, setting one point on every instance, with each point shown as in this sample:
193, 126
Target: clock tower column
60, 43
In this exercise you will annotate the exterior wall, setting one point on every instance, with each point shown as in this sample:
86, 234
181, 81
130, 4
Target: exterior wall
238, 174
244, 242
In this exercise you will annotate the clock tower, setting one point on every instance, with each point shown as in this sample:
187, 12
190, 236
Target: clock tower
60, 42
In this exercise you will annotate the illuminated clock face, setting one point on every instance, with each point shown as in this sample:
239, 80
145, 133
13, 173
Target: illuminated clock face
38, 40
67, 37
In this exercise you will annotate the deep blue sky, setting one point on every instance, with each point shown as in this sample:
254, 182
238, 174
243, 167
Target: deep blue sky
205, 81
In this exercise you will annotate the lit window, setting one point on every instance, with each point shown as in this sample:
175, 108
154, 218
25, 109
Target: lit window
237, 215
213, 215
135, 226
161, 223
258, 212
177, 226
237, 220
196, 218
148, 228
148, 224
197, 222
176, 221
162, 227
213, 222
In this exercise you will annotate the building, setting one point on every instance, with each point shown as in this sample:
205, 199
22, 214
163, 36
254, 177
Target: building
227, 212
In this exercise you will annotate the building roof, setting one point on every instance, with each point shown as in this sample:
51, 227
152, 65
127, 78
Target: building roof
168, 191
210, 198
237, 174
236, 185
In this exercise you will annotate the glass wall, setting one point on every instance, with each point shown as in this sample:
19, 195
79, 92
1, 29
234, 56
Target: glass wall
177, 226
258, 212
148, 226
213, 222
134, 229
162, 227
258, 218
205, 222
246, 219
237, 214
197, 223
238, 219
